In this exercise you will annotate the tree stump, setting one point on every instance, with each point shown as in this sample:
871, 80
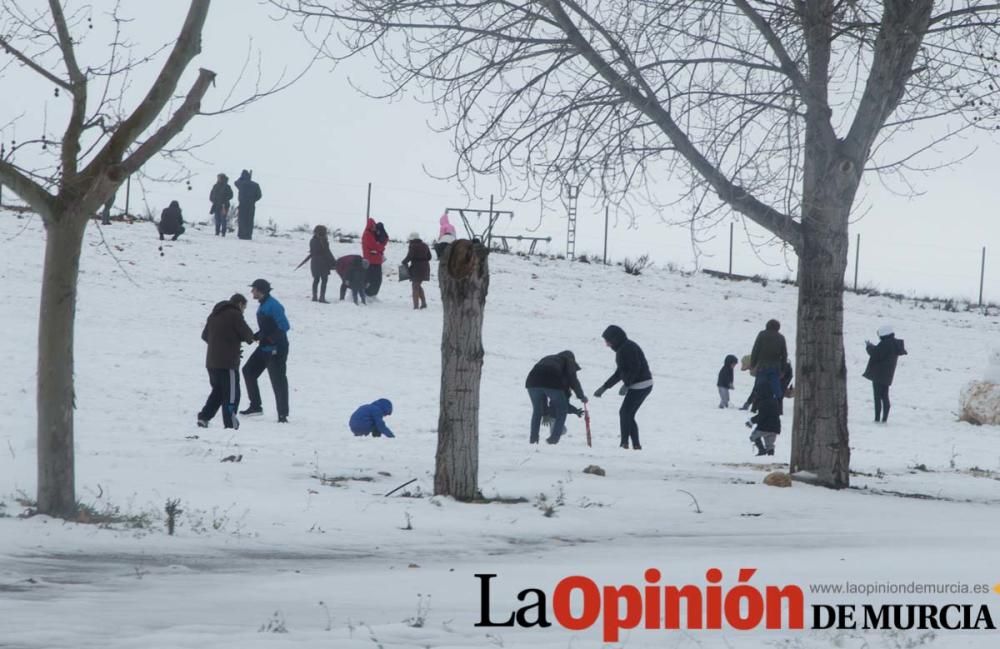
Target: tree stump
464, 278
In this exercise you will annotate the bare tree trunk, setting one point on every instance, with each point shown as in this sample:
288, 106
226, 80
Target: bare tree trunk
464, 278
55, 401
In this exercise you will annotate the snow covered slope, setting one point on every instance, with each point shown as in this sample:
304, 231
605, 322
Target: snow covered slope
265, 544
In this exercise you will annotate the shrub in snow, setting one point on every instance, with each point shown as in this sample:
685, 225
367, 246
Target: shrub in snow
777, 479
595, 470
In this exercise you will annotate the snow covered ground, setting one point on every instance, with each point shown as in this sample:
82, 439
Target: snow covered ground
265, 545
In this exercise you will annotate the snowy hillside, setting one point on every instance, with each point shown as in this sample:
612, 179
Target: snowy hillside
299, 537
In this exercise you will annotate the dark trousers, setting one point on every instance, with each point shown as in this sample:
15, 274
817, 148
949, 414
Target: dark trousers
626, 414
355, 292
225, 394
319, 281
244, 221
881, 393
178, 232
221, 222
275, 362
553, 401
374, 280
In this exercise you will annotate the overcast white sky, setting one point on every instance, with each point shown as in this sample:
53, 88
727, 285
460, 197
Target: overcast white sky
315, 147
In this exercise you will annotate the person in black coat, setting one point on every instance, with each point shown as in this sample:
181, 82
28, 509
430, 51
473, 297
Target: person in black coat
549, 383
725, 380
418, 263
249, 193
321, 261
767, 422
220, 197
224, 332
633, 371
882, 368
171, 221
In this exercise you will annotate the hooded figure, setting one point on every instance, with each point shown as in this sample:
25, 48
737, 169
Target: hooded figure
249, 194
220, 197
367, 419
882, 368
446, 236
767, 422
321, 261
171, 221
549, 383
418, 262
725, 381
633, 370
373, 251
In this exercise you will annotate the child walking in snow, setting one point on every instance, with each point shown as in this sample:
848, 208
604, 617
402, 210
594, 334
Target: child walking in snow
725, 380
367, 419
767, 422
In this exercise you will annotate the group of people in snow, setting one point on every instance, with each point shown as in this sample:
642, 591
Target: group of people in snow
220, 197
552, 379
550, 382
768, 363
226, 330
362, 274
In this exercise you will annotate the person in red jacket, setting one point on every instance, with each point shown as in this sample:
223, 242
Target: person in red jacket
373, 251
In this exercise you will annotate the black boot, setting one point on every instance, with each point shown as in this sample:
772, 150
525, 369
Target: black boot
770, 451
760, 447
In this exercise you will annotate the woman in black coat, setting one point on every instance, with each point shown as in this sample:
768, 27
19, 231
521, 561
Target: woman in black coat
321, 262
418, 262
882, 368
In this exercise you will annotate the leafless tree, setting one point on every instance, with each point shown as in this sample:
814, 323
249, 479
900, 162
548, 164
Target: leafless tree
769, 109
66, 179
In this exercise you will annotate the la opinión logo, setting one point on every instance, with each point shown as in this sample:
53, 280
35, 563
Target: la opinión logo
578, 603
653, 605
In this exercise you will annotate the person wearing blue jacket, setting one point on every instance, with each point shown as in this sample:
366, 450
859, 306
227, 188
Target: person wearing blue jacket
367, 420
271, 352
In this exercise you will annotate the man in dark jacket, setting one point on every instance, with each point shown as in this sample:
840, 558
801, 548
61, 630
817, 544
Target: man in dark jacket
882, 368
220, 196
633, 371
271, 352
249, 193
224, 331
171, 221
769, 355
548, 384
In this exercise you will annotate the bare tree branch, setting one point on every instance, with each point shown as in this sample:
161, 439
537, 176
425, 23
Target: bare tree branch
188, 46
32, 193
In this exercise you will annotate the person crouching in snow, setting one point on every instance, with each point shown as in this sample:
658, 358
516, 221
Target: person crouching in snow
548, 385
367, 420
725, 380
767, 422
353, 274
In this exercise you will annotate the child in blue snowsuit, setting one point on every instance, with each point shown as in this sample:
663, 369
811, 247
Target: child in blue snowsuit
367, 420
